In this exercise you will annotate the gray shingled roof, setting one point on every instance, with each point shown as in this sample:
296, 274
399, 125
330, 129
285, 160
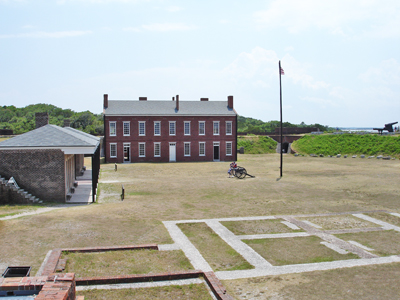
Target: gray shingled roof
167, 108
51, 136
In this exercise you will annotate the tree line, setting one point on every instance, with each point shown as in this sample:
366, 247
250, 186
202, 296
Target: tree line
22, 120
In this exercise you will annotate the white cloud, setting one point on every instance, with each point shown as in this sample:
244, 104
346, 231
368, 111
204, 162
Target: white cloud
174, 8
100, 1
376, 18
388, 72
161, 27
43, 34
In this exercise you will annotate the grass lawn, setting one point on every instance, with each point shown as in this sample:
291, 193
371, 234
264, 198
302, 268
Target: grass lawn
126, 262
384, 243
258, 227
339, 222
192, 291
216, 251
298, 250
394, 220
181, 191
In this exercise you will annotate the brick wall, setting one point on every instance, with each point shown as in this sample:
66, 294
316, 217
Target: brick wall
180, 138
40, 172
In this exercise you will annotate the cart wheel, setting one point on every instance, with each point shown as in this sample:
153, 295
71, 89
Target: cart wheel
242, 173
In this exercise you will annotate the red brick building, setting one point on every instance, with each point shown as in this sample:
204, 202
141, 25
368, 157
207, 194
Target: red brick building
169, 131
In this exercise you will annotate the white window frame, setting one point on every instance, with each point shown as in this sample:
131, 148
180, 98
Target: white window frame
204, 127
128, 128
159, 128
158, 144
229, 153
144, 128
144, 149
111, 146
184, 148
184, 127
228, 124
214, 131
115, 128
204, 144
174, 127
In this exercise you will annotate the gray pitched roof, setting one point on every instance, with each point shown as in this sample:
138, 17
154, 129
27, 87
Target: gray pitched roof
167, 108
52, 136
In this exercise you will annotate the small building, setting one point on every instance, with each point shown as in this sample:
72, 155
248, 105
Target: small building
46, 161
169, 131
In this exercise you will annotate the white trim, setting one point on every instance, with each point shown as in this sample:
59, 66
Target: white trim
184, 128
159, 144
109, 128
154, 131
226, 127
116, 150
169, 128
203, 122
66, 150
129, 128
226, 149
219, 128
144, 128
144, 145
204, 149
184, 149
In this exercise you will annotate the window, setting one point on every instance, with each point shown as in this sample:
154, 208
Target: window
202, 128
127, 129
187, 149
187, 127
172, 129
142, 128
113, 150
142, 149
228, 148
157, 149
229, 128
113, 128
157, 128
202, 149
216, 127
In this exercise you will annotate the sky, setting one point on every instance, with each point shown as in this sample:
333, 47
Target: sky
341, 58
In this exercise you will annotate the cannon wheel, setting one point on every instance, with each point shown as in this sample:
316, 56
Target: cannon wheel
241, 173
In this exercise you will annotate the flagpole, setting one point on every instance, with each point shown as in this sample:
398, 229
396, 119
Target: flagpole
280, 88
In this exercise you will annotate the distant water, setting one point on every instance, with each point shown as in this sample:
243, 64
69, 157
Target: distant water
368, 129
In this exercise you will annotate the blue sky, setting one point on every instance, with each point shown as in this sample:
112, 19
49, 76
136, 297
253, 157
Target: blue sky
341, 58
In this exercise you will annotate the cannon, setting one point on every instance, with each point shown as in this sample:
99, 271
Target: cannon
241, 173
388, 127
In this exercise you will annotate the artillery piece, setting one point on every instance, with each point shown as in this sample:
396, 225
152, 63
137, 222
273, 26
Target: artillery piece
388, 127
241, 173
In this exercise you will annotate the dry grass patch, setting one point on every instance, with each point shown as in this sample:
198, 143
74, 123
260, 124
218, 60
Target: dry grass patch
367, 282
384, 243
268, 226
386, 217
10, 210
297, 250
340, 222
126, 262
215, 251
192, 291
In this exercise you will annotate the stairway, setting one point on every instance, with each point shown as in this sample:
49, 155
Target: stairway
18, 195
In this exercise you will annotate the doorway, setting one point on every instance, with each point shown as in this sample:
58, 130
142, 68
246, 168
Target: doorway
172, 152
216, 151
127, 152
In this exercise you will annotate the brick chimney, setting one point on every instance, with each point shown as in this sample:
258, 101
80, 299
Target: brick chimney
42, 119
142, 98
105, 105
177, 102
67, 122
203, 99
230, 102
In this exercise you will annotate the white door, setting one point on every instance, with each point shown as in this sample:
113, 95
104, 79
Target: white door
172, 152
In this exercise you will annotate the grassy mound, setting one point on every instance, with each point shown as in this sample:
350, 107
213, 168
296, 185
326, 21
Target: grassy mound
368, 144
257, 144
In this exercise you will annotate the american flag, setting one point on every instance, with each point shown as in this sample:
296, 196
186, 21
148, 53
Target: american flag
282, 72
